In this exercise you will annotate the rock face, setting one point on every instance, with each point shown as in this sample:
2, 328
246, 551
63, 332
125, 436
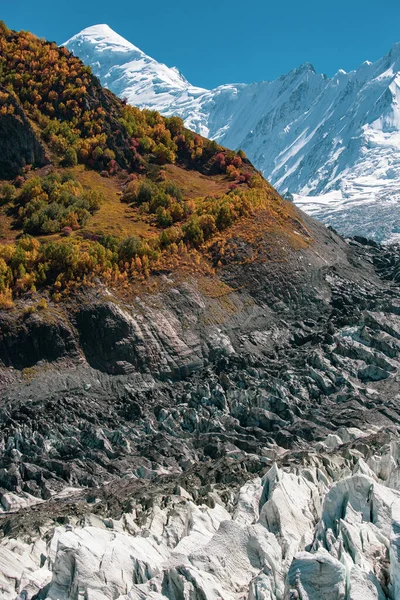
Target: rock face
282, 352
228, 436
25, 342
18, 141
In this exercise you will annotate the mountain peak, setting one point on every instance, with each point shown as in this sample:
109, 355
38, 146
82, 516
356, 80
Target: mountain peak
101, 29
335, 128
104, 38
395, 47
306, 66
395, 51
127, 70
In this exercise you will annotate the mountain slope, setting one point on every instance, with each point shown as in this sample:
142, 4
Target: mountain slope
334, 143
130, 189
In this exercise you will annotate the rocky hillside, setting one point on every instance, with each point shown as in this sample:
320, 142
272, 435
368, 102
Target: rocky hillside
237, 432
199, 383
331, 142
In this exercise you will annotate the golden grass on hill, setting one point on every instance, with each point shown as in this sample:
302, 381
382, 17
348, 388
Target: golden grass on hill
261, 227
195, 184
114, 217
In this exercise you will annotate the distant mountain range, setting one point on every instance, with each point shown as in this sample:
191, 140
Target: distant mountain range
334, 143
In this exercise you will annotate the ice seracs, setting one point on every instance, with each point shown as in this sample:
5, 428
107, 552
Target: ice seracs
332, 142
324, 528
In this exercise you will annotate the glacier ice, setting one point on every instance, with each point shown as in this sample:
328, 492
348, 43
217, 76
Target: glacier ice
326, 527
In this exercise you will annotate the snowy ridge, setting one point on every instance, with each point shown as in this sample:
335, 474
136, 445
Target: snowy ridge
128, 71
333, 143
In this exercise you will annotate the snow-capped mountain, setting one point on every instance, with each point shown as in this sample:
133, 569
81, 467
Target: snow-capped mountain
128, 71
334, 143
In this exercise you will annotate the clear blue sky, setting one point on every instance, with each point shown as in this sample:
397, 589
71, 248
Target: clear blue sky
214, 42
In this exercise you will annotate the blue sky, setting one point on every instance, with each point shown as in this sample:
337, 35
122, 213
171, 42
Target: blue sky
214, 42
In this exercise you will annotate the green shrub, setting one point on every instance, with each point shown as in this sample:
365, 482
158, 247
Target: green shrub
42, 304
110, 242
224, 217
31, 189
93, 199
163, 217
164, 154
65, 176
256, 181
207, 225
130, 193
70, 158
131, 247
4, 29
146, 191
175, 125
145, 144
193, 233
108, 155
172, 189
160, 199
169, 236
8, 193
49, 204
177, 211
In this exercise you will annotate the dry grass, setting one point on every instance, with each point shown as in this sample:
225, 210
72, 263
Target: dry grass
269, 233
114, 217
7, 234
212, 287
121, 220
195, 184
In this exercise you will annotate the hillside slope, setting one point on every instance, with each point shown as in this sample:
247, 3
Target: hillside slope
334, 143
123, 192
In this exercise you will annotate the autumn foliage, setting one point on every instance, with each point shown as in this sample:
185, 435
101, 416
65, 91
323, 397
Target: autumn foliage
80, 122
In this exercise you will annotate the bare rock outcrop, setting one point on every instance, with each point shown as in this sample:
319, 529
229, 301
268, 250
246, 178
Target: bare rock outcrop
19, 144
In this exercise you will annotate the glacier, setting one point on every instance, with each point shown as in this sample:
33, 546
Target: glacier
333, 143
325, 527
